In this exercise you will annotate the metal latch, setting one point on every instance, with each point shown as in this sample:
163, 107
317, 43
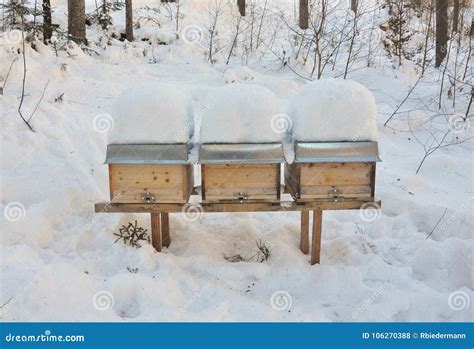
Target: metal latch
335, 194
147, 197
241, 197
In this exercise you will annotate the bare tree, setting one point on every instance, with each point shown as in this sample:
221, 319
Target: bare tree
352, 41
303, 14
441, 31
262, 17
77, 20
455, 16
417, 4
234, 41
354, 5
427, 34
177, 14
241, 4
47, 22
129, 20
398, 32
214, 12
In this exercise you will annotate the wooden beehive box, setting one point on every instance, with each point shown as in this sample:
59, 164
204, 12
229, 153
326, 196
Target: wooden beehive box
148, 173
332, 171
240, 172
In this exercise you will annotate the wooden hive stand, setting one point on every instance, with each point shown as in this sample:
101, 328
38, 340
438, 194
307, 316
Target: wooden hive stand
324, 176
160, 229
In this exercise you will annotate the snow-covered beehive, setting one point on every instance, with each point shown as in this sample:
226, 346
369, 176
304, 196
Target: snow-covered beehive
147, 153
241, 152
335, 138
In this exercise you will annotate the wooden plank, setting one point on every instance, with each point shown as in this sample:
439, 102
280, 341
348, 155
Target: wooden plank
236, 203
155, 230
108, 207
346, 191
203, 182
292, 180
185, 182
278, 182
327, 174
316, 243
374, 165
190, 181
161, 195
304, 241
165, 229
168, 183
240, 176
111, 190
226, 181
232, 193
146, 177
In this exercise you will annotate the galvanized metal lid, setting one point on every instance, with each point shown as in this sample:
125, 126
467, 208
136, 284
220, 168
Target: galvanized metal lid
337, 152
241, 153
147, 154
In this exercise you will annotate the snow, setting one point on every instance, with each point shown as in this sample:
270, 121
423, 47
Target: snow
333, 110
154, 35
240, 113
58, 256
150, 113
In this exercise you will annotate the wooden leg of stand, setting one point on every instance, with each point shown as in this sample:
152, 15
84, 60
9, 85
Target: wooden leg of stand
316, 243
304, 242
165, 229
156, 231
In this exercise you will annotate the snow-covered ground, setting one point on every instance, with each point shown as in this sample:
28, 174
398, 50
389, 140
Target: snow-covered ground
60, 263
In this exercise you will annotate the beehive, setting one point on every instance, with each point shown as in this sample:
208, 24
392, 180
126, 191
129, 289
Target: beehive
149, 173
332, 171
240, 172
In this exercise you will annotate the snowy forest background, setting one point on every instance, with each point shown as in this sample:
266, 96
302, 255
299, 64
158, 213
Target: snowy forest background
64, 63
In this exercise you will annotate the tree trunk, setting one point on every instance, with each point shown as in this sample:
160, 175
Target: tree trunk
304, 14
129, 20
416, 4
455, 16
77, 20
241, 4
354, 6
441, 31
47, 22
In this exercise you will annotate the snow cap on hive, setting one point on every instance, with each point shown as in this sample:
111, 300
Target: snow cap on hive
333, 110
242, 113
152, 113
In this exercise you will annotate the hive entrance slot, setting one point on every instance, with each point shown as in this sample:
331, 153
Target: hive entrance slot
335, 194
241, 197
147, 197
